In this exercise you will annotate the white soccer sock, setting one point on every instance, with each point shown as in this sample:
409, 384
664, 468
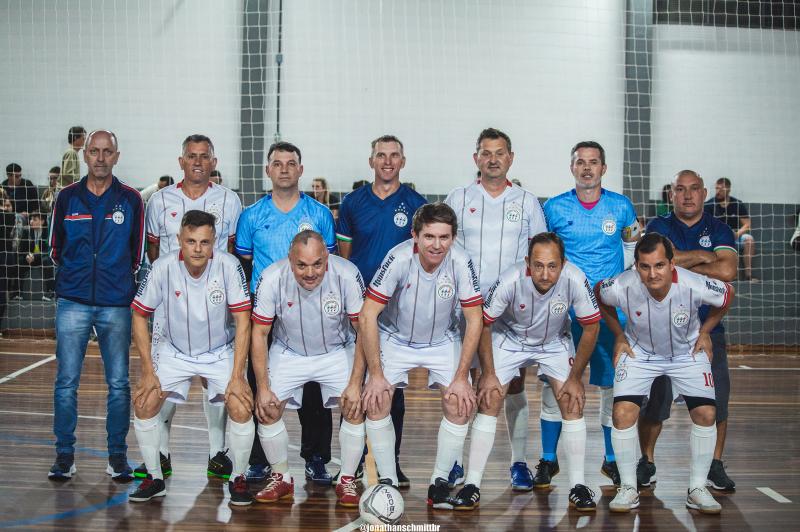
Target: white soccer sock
516, 407
241, 442
480, 447
449, 448
275, 442
606, 406
215, 418
573, 434
148, 436
701, 443
381, 440
351, 442
626, 449
166, 414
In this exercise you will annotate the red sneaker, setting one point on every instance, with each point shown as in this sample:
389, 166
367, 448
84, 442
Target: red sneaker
276, 489
347, 492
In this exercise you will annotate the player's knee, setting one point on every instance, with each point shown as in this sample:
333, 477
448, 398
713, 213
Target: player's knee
237, 411
550, 410
149, 409
492, 404
702, 410
517, 385
450, 409
626, 410
564, 412
376, 412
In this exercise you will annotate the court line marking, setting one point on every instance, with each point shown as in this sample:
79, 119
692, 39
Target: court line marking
765, 369
12, 376
774, 495
351, 526
25, 354
742, 366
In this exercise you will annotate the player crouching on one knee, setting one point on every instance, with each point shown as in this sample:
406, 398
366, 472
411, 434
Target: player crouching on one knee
313, 300
663, 336
526, 321
196, 285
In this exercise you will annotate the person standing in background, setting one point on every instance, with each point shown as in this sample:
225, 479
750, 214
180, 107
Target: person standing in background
70, 165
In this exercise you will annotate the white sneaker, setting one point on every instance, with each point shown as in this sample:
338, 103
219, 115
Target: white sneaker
702, 500
626, 500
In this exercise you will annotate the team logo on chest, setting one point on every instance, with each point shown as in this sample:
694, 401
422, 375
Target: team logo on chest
400, 216
305, 226
118, 216
445, 289
331, 305
514, 212
680, 318
705, 241
215, 294
609, 226
214, 211
558, 307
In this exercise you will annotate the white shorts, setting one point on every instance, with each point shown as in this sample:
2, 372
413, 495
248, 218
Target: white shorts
690, 376
288, 373
441, 361
175, 375
555, 360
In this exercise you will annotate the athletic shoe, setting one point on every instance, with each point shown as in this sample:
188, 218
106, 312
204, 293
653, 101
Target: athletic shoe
456, 476
238, 491
258, 473
626, 500
545, 471
149, 488
402, 479
63, 468
582, 498
276, 489
386, 481
521, 477
166, 467
718, 478
347, 492
118, 468
220, 466
701, 499
439, 495
468, 498
316, 471
645, 472
610, 470
359, 476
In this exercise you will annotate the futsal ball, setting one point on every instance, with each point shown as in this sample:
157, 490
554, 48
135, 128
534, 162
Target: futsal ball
381, 504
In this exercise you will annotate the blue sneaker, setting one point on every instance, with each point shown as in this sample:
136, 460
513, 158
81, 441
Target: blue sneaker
316, 471
521, 477
258, 473
456, 476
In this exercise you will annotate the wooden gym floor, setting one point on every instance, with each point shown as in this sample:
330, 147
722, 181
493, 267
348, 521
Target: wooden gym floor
761, 456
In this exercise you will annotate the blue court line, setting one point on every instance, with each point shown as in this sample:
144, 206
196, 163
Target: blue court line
120, 498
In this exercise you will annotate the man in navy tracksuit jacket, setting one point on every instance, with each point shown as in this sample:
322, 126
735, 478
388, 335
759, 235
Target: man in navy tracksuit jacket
96, 241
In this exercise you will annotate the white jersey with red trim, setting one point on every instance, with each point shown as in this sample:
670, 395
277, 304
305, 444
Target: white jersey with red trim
495, 231
420, 306
167, 206
666, 328
196, 312
309, 322
527, 319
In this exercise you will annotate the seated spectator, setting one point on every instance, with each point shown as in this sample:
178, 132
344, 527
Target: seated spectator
23, 194
360, 183
163, 181
665, 205
8, 222
216, 177
34, 250
320, 192
49, 194
734, 213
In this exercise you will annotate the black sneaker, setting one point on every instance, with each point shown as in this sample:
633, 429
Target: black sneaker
610, 470
402, 479
645, 472
582, 498
149, 488
386, 481
439, 495
468, 498
220, 466
240, 496
545, 471
359, 476
63, 468
118, 468
166, 467
317, 472
718, 478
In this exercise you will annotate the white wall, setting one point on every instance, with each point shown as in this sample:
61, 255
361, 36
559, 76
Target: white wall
725, 103
153, 71
437, 72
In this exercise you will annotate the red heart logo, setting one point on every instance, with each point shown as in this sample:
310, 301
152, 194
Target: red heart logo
638, 313
174, 214
177, 293
408, 285
522, 306
472, 209
290, 303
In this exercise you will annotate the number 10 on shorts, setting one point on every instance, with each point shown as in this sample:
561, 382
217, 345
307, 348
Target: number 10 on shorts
709, 380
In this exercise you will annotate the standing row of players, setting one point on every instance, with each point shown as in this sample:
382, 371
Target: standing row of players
495, 223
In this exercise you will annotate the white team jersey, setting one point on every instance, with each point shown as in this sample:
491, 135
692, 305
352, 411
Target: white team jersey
195, 311
309, 323
528, 319
420, 306
667, 328
167, 206
495, 231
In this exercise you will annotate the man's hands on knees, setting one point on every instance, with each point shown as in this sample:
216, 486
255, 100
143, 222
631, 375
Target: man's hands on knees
572, 391
351, 401
267, 405
148, 385
461, 392
239, 390
377, 394
490, 392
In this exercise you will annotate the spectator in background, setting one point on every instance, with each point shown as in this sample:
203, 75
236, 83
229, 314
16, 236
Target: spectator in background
216, 177
49, 194
8, 221
795, 240
733, 212
163, 181
665, 205
70, 165
320, 192
517, 182
22, 193
360, 183
34, 250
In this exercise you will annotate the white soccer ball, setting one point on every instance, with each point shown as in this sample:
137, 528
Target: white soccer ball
381, 504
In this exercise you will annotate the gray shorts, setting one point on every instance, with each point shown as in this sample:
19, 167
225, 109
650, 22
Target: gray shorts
659, 402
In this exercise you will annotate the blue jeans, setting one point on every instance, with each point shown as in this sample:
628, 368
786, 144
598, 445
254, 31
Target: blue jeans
74, 323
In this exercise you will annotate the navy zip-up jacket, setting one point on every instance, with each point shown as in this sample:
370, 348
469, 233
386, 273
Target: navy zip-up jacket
97, 243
